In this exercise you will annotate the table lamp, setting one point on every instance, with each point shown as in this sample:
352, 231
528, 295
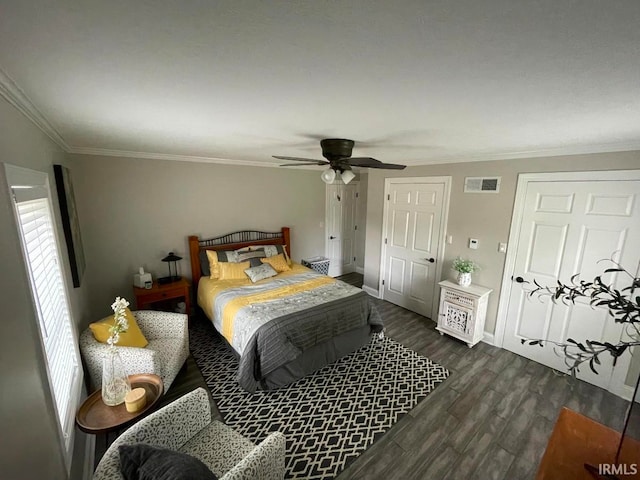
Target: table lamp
172, 258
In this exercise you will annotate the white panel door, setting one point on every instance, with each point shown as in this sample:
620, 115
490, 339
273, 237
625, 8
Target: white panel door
566, 228
341, 208
412, 236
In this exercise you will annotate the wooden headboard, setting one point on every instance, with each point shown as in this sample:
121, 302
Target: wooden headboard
233, 241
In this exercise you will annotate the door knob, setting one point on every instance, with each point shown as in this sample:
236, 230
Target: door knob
331, 237
518, 279
430, 260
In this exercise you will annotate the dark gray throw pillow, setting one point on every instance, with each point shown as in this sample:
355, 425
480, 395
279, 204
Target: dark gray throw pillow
255, 262
145, 462
204, 263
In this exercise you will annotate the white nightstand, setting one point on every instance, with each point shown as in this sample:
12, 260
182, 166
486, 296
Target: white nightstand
462, 311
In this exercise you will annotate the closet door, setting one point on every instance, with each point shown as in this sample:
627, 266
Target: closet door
568, 227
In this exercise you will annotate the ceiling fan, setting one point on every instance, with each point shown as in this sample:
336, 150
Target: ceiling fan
337, 152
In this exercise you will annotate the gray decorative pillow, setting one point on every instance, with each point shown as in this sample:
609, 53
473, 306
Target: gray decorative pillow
244, 256
260, 273
145, 462
255, 262
227, 256
269, 250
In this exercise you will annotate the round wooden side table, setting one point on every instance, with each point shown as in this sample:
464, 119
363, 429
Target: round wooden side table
95, 417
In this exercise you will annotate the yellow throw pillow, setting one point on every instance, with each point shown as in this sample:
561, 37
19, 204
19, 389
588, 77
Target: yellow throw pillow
133, 337
212, 255
286, 255
278, 263
233, 271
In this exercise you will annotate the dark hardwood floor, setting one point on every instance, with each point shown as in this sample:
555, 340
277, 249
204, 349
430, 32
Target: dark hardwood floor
490, 419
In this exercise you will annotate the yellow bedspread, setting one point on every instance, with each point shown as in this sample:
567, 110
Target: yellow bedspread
231, 308
209, 289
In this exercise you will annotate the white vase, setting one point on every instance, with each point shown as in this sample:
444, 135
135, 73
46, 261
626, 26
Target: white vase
464, 279
115, 383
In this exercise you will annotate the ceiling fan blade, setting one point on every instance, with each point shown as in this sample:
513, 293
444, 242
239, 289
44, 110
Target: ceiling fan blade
369, 162
299, 159
301, 164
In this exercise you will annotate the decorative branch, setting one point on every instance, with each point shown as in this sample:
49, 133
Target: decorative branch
621, 305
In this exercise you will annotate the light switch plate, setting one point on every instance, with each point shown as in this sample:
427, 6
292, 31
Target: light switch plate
502, 247
473, 243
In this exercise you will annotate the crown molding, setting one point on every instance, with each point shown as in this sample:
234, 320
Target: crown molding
164, 156
571, 150
16, 97
460, 158
539, 153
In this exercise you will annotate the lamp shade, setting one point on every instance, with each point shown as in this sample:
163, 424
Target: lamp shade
347, 176
172, 257
328, 176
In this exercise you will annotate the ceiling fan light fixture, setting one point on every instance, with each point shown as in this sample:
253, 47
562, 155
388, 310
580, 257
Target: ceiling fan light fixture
347, 176
328, 176
337, 154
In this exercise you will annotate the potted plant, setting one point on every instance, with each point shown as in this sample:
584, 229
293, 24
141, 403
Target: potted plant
465, 268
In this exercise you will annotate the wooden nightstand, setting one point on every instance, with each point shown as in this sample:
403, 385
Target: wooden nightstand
160, 293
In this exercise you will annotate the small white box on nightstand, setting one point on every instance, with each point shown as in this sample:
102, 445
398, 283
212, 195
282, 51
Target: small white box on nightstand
142, 280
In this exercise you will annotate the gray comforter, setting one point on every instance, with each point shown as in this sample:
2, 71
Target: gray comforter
271, 334
285, 338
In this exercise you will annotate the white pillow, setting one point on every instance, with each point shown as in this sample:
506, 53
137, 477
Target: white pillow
260, 273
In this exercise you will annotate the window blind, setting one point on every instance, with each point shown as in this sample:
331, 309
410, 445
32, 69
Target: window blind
55, 323
40, 247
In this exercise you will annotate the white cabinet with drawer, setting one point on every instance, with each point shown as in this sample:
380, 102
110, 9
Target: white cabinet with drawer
462, 311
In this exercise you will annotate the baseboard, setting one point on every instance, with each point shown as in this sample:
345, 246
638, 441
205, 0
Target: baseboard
89, 456
360, 270
488, 338
625, 391
371, 291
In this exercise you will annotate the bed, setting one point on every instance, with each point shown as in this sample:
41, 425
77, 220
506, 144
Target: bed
284, 327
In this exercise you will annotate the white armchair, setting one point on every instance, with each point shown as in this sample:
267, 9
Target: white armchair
186, 426
168, 348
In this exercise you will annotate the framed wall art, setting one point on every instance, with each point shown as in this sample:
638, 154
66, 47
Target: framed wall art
70, 222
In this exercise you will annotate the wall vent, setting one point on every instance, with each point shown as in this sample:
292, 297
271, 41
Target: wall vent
482, 184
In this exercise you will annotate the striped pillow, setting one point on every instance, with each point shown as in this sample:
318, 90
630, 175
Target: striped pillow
272, 250
244, 256
233, 271
215, 258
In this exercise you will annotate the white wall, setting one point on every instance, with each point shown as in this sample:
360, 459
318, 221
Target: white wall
134, 211
486, 217
30, 444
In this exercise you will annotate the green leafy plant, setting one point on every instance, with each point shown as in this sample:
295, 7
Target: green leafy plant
464, 265
623, 305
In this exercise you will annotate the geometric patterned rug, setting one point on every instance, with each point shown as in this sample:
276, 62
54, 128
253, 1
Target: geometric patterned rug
329, 417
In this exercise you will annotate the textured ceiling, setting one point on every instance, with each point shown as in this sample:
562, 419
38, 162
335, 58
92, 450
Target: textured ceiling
412, 82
